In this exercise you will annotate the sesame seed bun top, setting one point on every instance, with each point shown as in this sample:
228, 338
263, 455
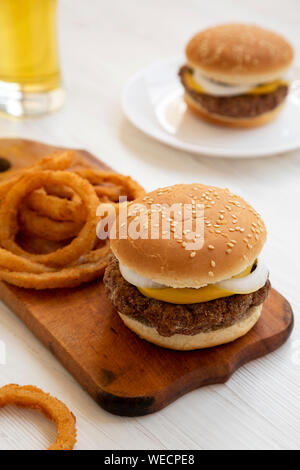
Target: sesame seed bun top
239, 54
234, 235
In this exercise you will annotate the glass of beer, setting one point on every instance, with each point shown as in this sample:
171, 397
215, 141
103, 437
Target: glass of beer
30, 81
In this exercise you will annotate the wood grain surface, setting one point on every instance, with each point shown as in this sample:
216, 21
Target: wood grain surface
124, 374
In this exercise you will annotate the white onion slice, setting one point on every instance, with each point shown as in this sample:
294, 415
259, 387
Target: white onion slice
248, 284
245, 285
218, 89
137, 280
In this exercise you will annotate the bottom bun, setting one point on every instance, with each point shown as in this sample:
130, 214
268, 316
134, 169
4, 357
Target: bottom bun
256, 121
198, 341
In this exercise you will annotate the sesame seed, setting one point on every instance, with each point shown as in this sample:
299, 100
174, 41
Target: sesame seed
228, 251
193, 254
213, 263
210, 273
211, 247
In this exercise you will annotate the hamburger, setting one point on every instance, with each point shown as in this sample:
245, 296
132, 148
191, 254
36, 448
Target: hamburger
236, 74
188, 288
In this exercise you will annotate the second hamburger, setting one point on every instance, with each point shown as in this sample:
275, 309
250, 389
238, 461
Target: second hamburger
235, 74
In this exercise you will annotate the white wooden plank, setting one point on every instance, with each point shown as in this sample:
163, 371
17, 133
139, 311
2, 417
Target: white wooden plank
102, 44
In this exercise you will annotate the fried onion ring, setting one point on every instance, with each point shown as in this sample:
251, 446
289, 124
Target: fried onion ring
108, 186
57, 207
32, 397
100, 179
86, 270
43, 227
14, 262
9, 216
57, 161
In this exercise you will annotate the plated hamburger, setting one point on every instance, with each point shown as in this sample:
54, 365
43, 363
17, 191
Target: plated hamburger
235, 74
189, 288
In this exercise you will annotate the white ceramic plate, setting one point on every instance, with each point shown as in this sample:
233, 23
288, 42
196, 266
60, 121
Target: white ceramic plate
152, 101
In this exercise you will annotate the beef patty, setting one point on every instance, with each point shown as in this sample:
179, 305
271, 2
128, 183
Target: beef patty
240, 106
167, 318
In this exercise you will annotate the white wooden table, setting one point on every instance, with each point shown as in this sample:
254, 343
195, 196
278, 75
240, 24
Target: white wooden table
102, 43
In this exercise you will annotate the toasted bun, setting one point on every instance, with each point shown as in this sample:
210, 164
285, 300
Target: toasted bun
234, 235
239, 54
218, 119
198, 341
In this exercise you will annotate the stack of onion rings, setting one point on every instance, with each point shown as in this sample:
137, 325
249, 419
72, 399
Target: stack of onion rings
32, 397
55, 161
109, 188
57, 203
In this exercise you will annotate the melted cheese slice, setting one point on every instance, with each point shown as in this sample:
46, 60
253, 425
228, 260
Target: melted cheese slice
267, 88
258, 90
185, 295
191, 83
190, 295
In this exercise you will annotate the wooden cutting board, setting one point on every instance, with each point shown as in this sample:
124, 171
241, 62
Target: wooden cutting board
124, 374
